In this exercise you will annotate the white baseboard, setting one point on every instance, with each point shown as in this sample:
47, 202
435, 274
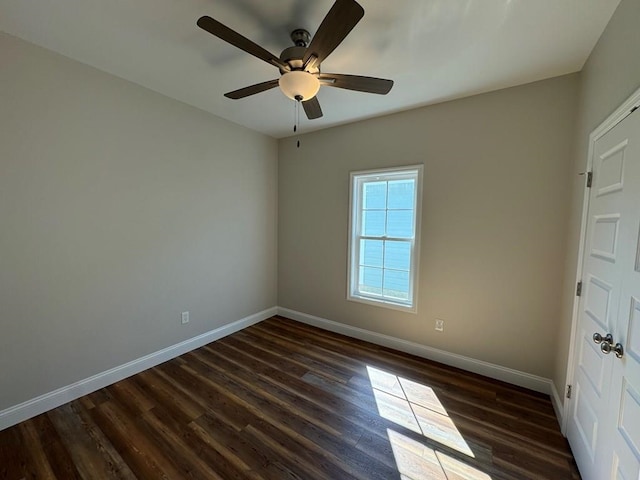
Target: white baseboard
18, 413
515, 377
556, 401
48, 401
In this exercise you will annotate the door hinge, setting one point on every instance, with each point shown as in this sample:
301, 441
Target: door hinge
579, 289
589, 179
568, 391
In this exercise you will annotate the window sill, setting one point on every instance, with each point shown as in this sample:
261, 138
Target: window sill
383, 303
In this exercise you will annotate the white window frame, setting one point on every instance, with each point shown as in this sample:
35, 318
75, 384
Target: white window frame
357, 181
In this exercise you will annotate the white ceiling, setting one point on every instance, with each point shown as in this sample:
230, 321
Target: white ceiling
434, 50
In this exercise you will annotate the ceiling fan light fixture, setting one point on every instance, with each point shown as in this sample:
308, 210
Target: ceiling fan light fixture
299, 65
299, 84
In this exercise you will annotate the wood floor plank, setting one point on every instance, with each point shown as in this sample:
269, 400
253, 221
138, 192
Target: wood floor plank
300, 355
88, 459
13, 457
37, 465
140, 451
233, 413
529, 465
176, 445
224, 455
57, 454
315, 349
102, 444
165, 395
127, 394
333, 425
282, 400
305, 461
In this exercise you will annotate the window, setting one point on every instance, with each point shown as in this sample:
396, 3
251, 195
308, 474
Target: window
384, 236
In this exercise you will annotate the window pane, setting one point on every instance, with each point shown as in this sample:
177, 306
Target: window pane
370, 280
397, 255
400, 223
371, 253
373, 222
396, 284
401, 193
374, 195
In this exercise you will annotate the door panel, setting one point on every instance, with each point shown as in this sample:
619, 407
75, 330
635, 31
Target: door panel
598, 296
591, 364
605, 237
633, 330
586, 421
629, 418
611, 169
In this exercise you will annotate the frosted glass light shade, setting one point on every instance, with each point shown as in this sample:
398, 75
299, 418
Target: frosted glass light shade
299, 83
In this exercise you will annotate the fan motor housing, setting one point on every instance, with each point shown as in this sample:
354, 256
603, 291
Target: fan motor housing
293, 56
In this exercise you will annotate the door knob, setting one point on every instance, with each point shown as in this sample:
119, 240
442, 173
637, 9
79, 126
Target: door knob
607, 349
618, 350
598, 338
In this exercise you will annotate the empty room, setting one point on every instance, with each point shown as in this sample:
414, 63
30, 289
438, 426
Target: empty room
320, 239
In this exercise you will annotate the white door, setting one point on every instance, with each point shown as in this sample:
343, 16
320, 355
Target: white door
604, 414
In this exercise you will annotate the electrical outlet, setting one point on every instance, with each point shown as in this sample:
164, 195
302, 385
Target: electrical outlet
439, 325
185, 318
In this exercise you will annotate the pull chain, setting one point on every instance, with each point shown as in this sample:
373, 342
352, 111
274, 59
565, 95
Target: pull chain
298, 99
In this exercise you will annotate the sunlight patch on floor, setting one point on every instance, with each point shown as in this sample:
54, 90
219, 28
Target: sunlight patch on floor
457, 470
415, 407
416, 461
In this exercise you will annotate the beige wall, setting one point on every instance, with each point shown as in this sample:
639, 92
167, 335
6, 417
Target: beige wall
609, 77
495, 205
119, 208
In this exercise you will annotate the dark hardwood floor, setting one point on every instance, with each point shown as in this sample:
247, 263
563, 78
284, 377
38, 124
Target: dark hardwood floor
282, 400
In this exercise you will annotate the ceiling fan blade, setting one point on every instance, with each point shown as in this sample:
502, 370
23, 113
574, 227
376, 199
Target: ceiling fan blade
312, 108
356, 82
343, 16
252, 89
216, 28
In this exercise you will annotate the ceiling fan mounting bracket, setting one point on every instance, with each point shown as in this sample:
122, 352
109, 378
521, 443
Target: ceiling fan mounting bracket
300, 37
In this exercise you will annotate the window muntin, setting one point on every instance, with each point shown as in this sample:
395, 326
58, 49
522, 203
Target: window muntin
385, 213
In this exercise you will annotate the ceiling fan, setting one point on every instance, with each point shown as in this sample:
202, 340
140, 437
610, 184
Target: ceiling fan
299, 65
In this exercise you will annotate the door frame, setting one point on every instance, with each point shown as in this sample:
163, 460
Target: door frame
612, 120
